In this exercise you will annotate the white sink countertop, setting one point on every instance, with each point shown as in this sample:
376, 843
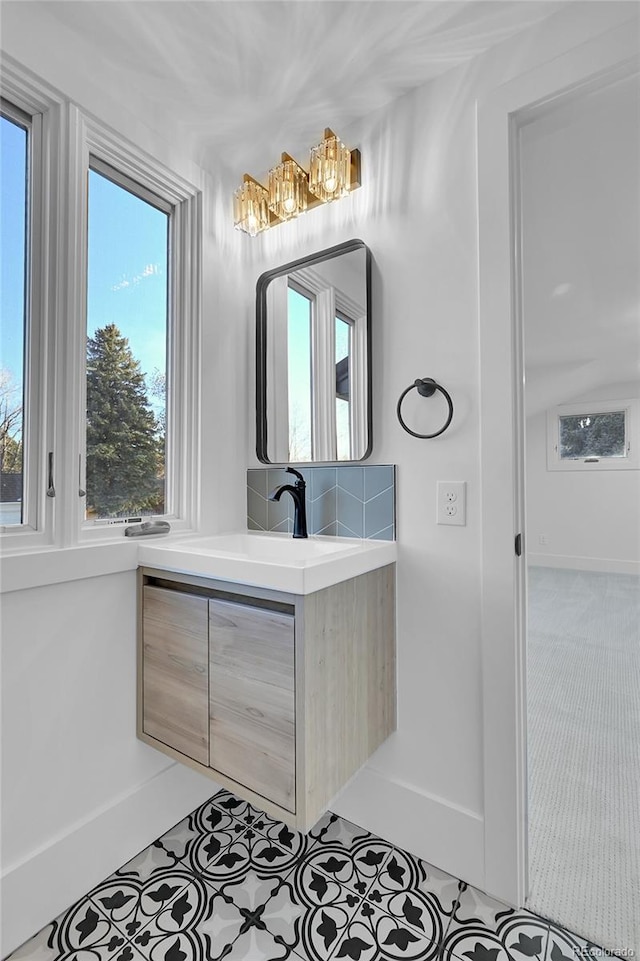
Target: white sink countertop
271, 560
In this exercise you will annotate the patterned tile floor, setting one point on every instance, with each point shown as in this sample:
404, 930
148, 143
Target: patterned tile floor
230, 882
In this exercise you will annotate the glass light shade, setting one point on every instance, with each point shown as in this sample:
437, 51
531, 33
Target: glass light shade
330, 169
287, 189
250, 210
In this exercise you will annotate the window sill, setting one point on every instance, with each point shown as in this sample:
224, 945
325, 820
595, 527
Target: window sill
54, 565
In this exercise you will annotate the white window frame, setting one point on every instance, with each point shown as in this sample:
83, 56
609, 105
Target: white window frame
41, 110
65, 139
311, 296
630, 460
103, 146
352, 326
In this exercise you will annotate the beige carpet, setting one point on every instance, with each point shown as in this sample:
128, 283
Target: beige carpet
584, 753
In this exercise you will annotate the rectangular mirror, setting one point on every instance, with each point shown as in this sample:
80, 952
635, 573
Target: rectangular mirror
313, 358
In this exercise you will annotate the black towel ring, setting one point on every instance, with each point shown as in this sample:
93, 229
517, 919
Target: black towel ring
426, 387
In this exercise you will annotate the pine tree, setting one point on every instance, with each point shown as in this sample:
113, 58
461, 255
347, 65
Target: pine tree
124, 454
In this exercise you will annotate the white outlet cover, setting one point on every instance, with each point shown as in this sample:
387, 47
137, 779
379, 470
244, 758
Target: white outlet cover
451, 506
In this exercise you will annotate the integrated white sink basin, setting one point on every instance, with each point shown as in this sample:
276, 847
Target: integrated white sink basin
269, 547
270, 560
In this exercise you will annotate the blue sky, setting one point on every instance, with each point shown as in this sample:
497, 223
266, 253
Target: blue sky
127, 259
13, 140
127, 279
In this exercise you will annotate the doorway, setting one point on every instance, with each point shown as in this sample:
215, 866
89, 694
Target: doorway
579, 176
609, 52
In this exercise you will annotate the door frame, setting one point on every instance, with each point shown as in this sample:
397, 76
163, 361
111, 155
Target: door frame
503, 581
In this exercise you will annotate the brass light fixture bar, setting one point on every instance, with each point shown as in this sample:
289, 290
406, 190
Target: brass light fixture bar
334, 171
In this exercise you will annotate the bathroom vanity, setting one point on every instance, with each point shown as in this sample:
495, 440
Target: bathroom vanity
279, 695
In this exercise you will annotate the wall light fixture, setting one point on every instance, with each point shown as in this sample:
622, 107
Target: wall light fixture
334, 171
330, 168
250, 206
287, 189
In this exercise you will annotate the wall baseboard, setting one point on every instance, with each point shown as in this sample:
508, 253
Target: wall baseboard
605, 565
35, 891
447, 836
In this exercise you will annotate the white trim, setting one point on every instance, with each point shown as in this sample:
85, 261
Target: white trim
276, 295
72, 270
502, 650
428, 826
629, 461
26, 90
70, 864
359, 377
39, 103
605, 565
323, 363
54, 565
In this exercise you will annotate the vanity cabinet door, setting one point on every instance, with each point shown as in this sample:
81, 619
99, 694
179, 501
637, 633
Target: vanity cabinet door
251, 670
175, 686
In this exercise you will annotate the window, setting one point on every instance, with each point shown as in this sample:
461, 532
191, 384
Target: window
126, 369
99, 328
592, 436
138, 430
14, 200
25, 391
325, 351
300, 312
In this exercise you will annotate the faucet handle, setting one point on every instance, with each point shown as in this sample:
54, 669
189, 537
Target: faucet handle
292, 470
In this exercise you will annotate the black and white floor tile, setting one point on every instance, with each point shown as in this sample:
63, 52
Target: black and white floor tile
229, 882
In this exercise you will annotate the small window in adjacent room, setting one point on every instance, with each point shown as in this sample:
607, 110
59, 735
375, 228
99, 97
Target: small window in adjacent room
127, 336
595, 435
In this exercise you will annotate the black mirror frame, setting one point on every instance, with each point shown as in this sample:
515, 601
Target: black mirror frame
261, 343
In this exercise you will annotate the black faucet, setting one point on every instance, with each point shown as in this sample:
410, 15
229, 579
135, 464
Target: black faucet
298, 492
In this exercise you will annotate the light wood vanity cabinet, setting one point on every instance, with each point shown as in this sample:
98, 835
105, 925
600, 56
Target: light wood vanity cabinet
176, 671
252, 698
279, 697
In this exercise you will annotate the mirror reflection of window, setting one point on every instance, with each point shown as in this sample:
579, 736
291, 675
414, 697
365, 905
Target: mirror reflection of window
314, 401
343, 387
300, 312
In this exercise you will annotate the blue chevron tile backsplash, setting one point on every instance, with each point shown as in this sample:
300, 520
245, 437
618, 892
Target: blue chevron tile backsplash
346, 501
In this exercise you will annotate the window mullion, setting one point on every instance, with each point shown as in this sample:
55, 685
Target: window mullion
70, 310
39, 373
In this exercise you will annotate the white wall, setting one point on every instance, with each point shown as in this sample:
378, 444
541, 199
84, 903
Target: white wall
80, 794
589, 520
417, 212
580, 184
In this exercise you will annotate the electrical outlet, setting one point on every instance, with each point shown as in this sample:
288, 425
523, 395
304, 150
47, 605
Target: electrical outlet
542, 539
451, 503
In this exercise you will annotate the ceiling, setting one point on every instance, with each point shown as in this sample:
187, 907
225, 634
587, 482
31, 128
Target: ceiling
246, 79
